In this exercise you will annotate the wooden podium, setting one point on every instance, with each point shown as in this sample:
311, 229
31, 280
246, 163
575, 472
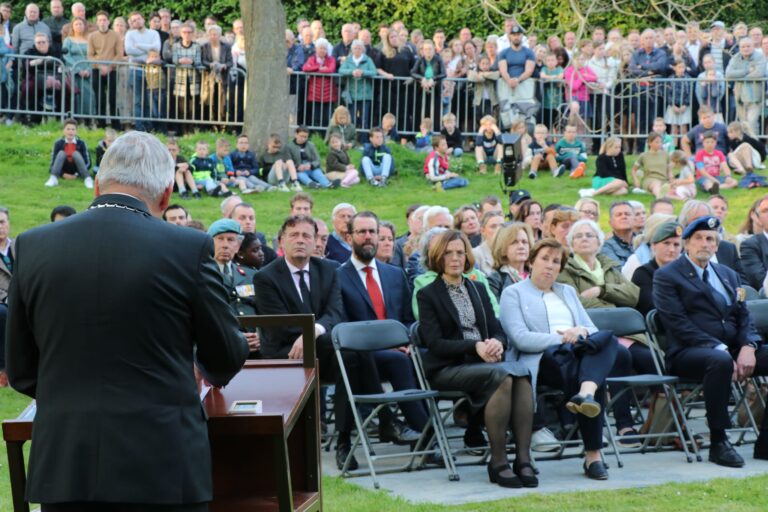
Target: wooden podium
267, 461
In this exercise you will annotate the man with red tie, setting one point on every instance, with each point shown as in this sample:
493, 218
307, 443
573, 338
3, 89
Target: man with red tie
373, 290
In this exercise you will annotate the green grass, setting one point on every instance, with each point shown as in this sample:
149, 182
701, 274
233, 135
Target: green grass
24, 169
26, 155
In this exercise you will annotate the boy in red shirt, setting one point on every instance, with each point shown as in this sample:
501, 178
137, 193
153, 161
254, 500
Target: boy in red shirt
712, 171
436, 167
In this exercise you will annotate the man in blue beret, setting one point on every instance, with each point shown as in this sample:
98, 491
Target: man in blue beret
238, 281
710, 332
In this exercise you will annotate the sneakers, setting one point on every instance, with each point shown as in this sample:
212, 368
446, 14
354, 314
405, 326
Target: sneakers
184, 194
372, 182
558, 171
384, 181
578, 172
196, 195
282, 187
312, 185
714, 189
638, 190
586, 192
335, 184
52, 181
543, 440
296, 187
532, 175
88, 182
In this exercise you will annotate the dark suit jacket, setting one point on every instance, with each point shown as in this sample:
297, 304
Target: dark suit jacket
689, 313
440, 328
225, 55
728, 255
643, 278
357, 301
103, 336
277, 295
5, 275
754, 259
335, 251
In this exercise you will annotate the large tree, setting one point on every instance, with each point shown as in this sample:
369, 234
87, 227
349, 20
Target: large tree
266, 104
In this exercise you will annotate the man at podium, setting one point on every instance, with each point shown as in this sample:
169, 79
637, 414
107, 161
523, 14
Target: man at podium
108, 312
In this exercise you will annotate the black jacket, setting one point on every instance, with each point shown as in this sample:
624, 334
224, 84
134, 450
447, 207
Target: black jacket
103, 336
440, 328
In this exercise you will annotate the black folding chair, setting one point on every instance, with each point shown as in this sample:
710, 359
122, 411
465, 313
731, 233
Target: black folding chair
370, 336
627, 322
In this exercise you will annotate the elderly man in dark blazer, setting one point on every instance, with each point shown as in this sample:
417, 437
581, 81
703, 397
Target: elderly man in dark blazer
754, 250
711, 334
372, 290
105, 335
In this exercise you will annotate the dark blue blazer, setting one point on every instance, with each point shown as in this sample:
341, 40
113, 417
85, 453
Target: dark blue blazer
689, 313
357, 302
335, 251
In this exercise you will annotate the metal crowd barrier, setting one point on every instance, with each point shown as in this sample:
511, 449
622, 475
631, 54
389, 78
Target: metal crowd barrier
176, 98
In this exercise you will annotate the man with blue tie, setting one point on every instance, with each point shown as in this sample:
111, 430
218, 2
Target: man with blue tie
373, 290
711, 335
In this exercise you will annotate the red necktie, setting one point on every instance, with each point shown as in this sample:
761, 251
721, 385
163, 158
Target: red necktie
375, 293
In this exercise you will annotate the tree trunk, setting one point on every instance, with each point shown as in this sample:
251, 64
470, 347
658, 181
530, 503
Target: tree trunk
266, 105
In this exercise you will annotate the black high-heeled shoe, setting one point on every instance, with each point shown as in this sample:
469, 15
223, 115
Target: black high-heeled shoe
527, 480
494, 475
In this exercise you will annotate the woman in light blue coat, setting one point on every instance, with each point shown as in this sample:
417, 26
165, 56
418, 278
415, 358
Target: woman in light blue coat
545, 323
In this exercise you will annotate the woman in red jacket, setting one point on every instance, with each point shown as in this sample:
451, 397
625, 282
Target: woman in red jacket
322, 91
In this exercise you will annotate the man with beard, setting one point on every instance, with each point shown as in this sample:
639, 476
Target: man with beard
710, 332
373, 290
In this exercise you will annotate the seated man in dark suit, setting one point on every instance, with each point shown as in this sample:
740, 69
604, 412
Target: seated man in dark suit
337, 248
711, 335
726, 251
372, 290
299, 283
754, 250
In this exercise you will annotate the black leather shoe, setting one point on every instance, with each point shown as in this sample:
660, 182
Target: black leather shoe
527, 480
494, 475
585, 405
596, 470
761, 447
723, 454
342, 451
398, 433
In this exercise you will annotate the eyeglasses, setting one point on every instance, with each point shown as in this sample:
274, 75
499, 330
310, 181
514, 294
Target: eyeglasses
591, 213
587, 235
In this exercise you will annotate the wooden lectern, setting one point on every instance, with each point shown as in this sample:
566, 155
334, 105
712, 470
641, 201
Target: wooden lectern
266, 461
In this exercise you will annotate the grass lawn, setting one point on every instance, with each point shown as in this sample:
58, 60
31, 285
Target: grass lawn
24, 169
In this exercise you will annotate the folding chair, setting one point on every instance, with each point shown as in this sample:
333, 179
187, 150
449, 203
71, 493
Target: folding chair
758, 311
457, 398
370, 336
627, 322
656, 329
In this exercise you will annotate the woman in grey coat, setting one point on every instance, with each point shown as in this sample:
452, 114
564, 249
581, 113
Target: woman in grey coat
544, 323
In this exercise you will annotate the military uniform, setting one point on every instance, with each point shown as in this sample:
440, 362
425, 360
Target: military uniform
241, 293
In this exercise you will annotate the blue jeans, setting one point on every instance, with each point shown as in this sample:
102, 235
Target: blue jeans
316, 175
140, 99
455, 183
372, 170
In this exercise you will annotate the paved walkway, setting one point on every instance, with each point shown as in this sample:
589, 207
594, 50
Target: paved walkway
566, 475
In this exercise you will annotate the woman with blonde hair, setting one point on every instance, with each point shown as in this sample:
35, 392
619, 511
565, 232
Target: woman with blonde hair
610, 171
510, 250
341, 125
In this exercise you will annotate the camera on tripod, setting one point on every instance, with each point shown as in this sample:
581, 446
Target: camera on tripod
511, 161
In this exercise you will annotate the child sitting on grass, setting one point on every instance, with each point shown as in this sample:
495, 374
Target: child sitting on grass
225, 170
338, 165
712, 171
571, 153
654, 162
436, 167
543, 152
109, 137
611, 171
423, 139
70, 157
274, 162
682, 187
488, 145
667, 142
246, 165
389, 126
183, 173
204, 172
452, 135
